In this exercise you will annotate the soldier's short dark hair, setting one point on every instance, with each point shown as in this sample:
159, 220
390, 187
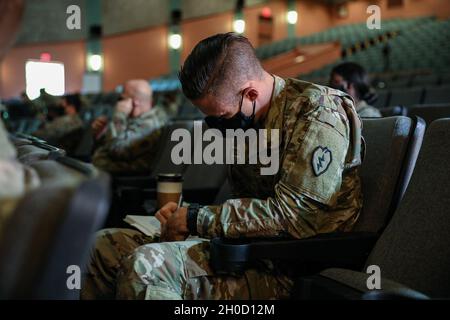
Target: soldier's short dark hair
219, 65
355, 74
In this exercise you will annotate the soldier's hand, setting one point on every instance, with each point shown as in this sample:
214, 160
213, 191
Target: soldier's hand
99, 125
165, 212
125, 106
175, 228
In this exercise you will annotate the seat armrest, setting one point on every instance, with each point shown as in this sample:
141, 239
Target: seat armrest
29, 137
53, 151
233, 256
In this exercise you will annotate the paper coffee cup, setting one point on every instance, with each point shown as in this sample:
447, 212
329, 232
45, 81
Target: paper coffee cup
169, 188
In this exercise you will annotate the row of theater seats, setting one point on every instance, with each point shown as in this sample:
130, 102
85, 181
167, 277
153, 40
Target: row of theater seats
427, 112
28, 125
413, 96
424, 49
347, 35
393, 81
403, 226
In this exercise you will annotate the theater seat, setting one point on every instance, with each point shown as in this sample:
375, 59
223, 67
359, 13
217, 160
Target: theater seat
393, 111
392, 148
130, 192
55, 172
203, 181
31, 149
414, 250
382, 100
51, 230
29, 153
428, 79
164, 163
83, 150
406, 97
435, 95
430, 112
224, 193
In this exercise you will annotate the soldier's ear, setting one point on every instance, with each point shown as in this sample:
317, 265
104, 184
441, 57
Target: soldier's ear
251, 93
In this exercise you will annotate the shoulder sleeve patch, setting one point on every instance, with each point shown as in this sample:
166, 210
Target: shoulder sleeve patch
315, 161
321, 160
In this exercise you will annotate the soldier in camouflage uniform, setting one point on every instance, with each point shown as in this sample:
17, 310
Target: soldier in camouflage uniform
317, 189
350, 77
365, 110
46, 106
57, 130
132, 137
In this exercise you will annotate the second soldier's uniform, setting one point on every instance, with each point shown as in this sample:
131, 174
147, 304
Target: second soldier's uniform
131, 143
365, 110
317, 190
60, 128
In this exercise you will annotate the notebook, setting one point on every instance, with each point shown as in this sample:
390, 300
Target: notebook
148, 225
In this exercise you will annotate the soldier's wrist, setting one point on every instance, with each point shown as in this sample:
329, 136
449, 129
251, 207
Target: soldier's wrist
191, 217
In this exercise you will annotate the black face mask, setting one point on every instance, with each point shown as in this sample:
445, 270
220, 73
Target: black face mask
238, 121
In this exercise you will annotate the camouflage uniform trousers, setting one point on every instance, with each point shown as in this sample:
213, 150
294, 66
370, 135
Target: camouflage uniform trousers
125, 264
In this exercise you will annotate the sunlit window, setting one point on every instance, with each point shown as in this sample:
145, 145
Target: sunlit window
44, 75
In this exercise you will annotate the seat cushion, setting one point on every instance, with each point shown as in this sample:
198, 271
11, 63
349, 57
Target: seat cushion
54, 173
28, 154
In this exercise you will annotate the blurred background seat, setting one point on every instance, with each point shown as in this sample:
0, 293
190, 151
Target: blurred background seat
430, 112
406, 97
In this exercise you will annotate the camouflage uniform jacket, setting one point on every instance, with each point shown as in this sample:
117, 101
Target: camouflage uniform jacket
317, 188
367, 111
130, 143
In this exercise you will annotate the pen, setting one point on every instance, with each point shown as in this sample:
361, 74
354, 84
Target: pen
180, 200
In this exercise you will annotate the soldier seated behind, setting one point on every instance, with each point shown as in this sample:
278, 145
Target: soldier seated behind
57, 131
128, 143
317, 189
350, 77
